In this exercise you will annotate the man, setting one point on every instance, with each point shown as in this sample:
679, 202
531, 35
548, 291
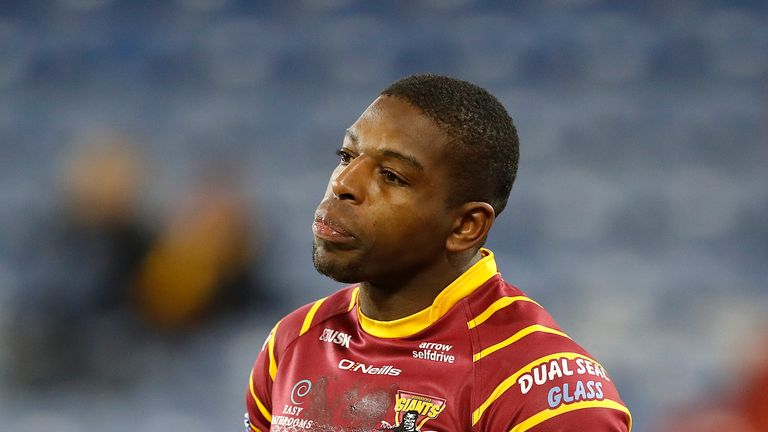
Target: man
429, 326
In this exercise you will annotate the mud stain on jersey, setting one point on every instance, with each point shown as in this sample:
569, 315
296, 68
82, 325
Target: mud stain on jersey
319, 410
368, 407
362, 406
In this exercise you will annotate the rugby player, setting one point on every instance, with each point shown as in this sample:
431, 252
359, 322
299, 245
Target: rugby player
429, 336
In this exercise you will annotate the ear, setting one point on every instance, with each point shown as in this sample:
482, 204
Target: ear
471, 225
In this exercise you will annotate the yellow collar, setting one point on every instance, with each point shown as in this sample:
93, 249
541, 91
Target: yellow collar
460, 288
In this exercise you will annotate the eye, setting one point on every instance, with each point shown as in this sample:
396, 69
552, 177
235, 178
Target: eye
392, 178
344, 157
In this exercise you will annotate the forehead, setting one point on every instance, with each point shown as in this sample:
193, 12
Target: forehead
394, 122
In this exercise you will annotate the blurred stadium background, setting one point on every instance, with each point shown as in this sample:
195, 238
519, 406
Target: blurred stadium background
160, 163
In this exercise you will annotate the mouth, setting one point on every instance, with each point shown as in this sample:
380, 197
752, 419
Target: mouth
330, 230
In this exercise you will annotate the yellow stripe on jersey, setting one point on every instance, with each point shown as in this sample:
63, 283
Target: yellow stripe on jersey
512, 380
516, 337
498, 304
310, 316
456, 291
254, 428
421, 423
464, 285
260, 405
353, 298
545, 415
272, 362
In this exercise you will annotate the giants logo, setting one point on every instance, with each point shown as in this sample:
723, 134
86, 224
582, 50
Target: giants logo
413, 410
352, 366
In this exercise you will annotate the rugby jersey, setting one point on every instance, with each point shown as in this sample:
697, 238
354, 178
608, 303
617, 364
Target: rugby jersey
483, 357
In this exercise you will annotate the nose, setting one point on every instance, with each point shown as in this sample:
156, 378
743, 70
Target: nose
349, 182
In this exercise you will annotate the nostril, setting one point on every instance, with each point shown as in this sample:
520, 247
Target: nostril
346, 196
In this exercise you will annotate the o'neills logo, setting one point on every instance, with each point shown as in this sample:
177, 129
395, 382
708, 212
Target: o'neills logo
354, 366
413, 410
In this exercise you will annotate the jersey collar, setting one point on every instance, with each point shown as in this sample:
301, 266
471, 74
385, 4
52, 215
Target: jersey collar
459, 289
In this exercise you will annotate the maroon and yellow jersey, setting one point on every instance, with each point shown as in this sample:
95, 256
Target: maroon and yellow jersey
483, 357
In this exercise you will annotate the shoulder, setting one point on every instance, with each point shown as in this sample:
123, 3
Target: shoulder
514, 331
527, 365
301, 320
506, 321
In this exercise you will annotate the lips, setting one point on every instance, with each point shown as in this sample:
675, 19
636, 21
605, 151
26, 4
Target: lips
327, 228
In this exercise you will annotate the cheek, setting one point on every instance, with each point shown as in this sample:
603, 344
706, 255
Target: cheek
406, 224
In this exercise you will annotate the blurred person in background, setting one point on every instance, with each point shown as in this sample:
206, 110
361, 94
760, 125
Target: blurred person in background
84, 259
200, 266
105, 279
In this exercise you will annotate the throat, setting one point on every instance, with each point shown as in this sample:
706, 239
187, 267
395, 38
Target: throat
385, 305
389, 303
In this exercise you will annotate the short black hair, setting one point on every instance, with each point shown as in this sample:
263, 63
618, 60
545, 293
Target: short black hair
484, 149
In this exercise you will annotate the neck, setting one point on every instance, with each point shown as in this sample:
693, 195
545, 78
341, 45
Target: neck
388, 302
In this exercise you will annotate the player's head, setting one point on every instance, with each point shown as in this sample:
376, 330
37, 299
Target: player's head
483, 150
409, 420
422, 175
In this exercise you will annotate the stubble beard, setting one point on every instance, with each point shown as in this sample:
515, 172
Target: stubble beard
340, 272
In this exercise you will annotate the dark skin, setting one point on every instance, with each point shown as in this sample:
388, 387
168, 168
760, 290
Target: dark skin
386, 221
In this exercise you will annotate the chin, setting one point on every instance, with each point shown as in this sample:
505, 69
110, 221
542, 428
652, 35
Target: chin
335, 268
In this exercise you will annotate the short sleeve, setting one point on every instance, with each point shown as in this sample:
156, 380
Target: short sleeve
258, 399
566, 393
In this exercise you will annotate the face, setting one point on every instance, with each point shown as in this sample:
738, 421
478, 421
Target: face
409, 421
384, 215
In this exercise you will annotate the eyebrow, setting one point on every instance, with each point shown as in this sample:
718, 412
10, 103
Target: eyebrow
351, 135
410, 160
403, 158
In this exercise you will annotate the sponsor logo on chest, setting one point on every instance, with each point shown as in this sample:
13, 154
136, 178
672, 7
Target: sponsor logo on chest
368, 369
436, 352
291, 417
335, 337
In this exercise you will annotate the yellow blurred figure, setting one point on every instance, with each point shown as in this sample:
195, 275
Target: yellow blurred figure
198, 263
